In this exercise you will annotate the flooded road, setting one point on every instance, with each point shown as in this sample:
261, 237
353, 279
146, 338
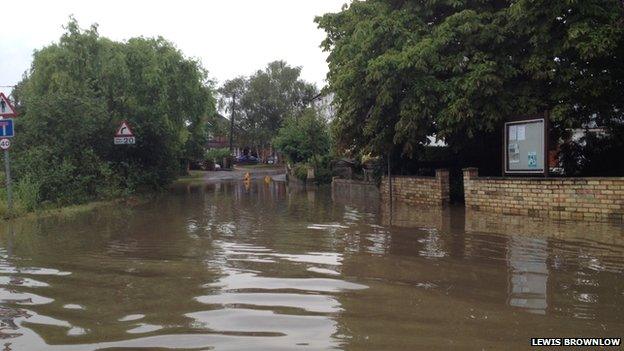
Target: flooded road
221, 266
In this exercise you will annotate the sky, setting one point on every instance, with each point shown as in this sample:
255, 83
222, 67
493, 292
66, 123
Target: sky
229, 37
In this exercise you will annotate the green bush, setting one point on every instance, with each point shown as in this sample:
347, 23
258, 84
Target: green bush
322, 168
303, 137
300, 171
217, 155
75, 95
27, 192
25, 197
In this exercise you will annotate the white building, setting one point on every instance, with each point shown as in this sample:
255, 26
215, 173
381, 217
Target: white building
324, 105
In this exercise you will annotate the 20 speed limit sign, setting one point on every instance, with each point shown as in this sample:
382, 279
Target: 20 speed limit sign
5, 144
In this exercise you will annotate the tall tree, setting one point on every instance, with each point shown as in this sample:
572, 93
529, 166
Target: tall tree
75, 95
404, 70
231, 93
266, 99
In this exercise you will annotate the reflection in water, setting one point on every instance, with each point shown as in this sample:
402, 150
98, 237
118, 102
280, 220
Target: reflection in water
234, 266
528, 273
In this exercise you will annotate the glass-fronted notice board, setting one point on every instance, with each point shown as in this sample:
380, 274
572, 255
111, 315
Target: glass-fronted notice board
524, 146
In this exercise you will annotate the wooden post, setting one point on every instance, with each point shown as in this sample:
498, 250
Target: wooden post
546, 158
505, 150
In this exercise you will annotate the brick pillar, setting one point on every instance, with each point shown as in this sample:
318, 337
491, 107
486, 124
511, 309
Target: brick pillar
470, 174
442, 178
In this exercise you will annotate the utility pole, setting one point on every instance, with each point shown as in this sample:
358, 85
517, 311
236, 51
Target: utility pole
232, 122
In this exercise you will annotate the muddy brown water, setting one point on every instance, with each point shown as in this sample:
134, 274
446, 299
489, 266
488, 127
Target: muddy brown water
228, 267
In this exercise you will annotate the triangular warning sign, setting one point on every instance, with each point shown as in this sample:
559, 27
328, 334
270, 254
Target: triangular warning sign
124, 130
6, 109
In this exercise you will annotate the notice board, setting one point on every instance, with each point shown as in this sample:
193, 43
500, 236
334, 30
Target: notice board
525, 146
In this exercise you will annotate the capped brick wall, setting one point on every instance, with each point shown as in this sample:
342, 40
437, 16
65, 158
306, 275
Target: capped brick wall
594, 199
418, 190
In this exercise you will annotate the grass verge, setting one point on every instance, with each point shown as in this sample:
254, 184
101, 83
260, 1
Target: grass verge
70, 210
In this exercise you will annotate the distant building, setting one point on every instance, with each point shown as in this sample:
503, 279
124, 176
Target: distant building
218, 135
324, 104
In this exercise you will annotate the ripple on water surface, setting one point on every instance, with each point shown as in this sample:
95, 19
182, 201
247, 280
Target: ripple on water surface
264, 267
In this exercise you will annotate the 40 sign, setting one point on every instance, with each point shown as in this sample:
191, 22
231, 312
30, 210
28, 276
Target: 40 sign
5, 144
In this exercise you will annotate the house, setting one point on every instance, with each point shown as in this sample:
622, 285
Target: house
324, 105
218, 133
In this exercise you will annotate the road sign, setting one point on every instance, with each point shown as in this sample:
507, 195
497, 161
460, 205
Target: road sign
5, 144
124, 135
124, 130
6, 109
124, 140
6, 128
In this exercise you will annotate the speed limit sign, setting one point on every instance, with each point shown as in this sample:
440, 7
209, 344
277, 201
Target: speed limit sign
5, 144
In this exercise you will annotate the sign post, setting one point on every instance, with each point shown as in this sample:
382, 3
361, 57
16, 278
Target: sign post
7, 171
7, 131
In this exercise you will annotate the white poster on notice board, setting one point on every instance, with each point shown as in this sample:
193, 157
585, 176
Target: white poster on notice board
513, 132
521, 133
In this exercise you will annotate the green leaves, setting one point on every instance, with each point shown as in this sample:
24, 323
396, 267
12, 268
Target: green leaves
76, 93
404, 70
264, 101
304, 137
217, 155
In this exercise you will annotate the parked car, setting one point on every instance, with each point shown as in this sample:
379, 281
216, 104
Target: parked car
247, 159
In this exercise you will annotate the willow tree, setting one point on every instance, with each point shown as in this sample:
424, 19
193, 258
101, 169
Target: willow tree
406, 70
75, 95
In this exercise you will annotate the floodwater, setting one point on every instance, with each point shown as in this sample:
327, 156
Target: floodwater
229, 267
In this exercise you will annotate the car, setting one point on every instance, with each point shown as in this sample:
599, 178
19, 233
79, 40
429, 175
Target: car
247, 159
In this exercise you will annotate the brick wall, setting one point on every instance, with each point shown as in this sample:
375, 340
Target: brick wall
594, 199
418, 190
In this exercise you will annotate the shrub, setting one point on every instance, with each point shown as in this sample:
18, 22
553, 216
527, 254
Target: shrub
303, 137
27, 194
300, 171
217, 155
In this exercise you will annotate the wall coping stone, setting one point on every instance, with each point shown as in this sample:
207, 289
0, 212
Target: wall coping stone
542, 179
411, 177
535, 179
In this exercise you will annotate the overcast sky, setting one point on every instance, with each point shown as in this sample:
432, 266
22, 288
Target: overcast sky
230, 37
